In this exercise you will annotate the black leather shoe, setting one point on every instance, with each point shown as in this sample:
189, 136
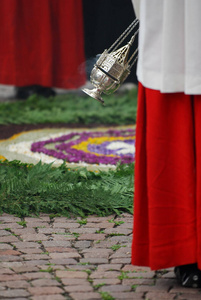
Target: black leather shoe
188, 276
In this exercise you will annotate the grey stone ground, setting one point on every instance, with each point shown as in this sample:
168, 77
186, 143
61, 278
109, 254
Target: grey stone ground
57, 258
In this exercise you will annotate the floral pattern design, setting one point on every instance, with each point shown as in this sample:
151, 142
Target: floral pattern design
99, 147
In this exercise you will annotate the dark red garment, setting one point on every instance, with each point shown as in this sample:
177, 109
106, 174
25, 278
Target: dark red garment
42, 42
167, 201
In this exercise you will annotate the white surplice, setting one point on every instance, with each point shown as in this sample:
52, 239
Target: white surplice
170, 45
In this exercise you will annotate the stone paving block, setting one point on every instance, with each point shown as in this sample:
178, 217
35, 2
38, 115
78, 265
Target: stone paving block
11, 277
49, 230
122, 260
129, 296
100, 225
86, 230
103, 244
5, 246
148, 288
118, 230
8, 258
74, 281
35, 256
33, 219
160, 295
36, 224
36, 262
121, 239
126, 225
11, 264
31, 251
92, 237
24, 245
62, 220
19, 284
60, 250
138, 281
45, 217
67, 237
115, 288
36, 275
25, 268
108, 274
123, 249
65, 255
34, 237
125, 216
9, 219
9, 252
71, 274
24, 231
6, 271
66, 225
93, 260
165, 283
53, 267
11, 226
121, 255
187, 296
45, 290
80, 267
56, 244
170, 274
45, 282
82, 244
14, 293
106, 281
79, 288
109, 267
4, 233
67, 220
16, 298
85, 296
84, 267
99, 219
131, 268
48, 297
180, 289
150, 274
9, 239
63, 261
2, 288
104, 253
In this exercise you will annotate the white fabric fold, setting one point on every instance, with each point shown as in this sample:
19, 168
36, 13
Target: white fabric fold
170, 45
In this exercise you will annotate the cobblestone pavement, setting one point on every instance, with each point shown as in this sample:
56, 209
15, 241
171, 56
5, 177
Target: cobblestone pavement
57, 258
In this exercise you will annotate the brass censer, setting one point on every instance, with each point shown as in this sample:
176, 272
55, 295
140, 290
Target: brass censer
113, 66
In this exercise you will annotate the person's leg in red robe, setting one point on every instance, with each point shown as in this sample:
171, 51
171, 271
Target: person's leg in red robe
165, 229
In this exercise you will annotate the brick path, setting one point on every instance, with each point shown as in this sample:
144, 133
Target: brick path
57, 258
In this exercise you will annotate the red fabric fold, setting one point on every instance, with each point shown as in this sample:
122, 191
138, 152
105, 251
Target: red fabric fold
167, 201
42, 42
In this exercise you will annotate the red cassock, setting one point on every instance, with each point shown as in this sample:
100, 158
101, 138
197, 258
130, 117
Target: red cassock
167, 201
42, 42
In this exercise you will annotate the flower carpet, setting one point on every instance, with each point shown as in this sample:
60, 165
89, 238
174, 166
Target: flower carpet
92, 148
67, 155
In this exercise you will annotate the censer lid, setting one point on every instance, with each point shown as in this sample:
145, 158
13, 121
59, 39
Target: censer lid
121, 55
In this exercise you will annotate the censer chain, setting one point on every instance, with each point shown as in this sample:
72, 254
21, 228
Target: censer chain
123, 35
135, 52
